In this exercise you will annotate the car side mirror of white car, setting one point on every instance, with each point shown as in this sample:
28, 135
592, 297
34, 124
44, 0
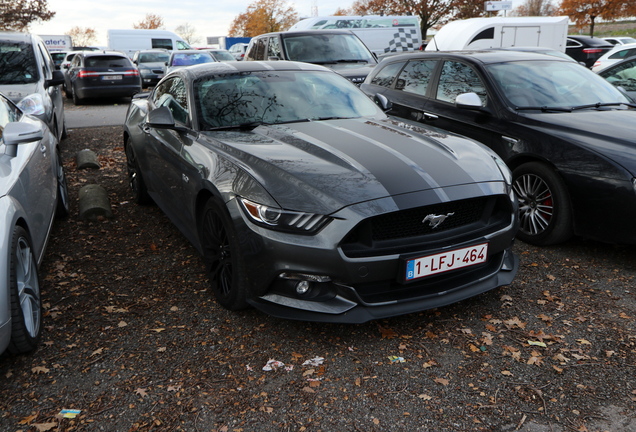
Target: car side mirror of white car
468, 101
16, 133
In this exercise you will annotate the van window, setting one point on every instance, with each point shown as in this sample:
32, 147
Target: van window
489, 33
182, 45
162, 43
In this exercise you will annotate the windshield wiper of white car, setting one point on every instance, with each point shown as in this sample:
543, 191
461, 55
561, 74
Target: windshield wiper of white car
600, 105
544, 109
253, 125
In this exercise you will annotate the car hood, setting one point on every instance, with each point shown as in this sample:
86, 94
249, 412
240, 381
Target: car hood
611, 133
323, 166
351, 69
17, 92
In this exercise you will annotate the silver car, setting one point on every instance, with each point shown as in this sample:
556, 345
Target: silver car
32, 193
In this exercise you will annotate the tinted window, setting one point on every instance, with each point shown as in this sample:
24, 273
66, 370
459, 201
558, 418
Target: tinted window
572, 43
162, 43
489, 33
106, 61
415, 76
172, 93
183, 59
457, 78
17, 63
623, 54
260, 49
326, 48
158, 57
386, 76
273, 47
623, 75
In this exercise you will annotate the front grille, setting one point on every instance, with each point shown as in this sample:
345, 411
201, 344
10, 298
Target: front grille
405, 231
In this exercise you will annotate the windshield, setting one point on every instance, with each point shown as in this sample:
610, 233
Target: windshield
326, 48
154, 57
17, 63
277, 97
184, 59
552, 84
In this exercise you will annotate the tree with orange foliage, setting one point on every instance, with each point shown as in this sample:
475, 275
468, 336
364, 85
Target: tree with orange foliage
82, 36
150, 22
263, 16
583, 12
17, 15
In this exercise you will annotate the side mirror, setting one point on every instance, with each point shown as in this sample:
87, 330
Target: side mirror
58, 79
16, 133
383, 102
468, 101
161, 118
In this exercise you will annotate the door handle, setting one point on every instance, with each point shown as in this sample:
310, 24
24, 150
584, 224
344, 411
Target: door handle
430, 116
510, 140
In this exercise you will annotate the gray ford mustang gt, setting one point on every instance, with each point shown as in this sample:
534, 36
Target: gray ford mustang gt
32, 192
308, 202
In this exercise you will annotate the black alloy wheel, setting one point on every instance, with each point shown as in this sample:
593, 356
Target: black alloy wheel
62, 208
545, 211
135, 179
26, 304
221, 254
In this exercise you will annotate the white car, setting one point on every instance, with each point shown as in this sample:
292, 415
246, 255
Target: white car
32, 193
620, 40
620, 52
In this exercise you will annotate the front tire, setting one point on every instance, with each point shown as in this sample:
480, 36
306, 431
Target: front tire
135, 179
26, 304
62, 208
224, 265
545, 211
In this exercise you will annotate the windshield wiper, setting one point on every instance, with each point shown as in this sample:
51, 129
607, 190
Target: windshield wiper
599, 105
340, 61
330, 118
253, 125
544, 109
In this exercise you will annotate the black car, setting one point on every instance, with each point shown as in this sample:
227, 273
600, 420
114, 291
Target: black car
586, 49
623, 75
28, 77
101, 74
340, 50
567, 134
307, 202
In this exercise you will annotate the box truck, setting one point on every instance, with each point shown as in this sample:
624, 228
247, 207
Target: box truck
131, 40
500, 32
381, 34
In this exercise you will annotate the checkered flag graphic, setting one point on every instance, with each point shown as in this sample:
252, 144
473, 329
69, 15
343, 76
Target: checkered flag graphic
403, 40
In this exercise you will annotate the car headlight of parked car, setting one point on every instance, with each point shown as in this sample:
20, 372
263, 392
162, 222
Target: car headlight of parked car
32, 104
283, 220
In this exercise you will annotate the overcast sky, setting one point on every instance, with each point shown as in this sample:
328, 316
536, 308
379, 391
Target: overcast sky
210, 18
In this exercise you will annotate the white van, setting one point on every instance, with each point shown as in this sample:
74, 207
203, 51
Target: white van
381, 34
131, 40
500, 32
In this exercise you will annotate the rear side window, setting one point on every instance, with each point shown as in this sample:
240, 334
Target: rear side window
386, 76
106, 61
273, 47
17, 63
457, 78
162, 43
416, 76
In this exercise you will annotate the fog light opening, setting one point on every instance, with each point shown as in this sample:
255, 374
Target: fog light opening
302, 287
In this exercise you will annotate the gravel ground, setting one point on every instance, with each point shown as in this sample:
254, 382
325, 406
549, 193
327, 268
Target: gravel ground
134, 339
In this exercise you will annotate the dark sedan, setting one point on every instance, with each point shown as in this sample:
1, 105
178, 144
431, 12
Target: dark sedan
586, 49
307, 202
94, 74
567, 134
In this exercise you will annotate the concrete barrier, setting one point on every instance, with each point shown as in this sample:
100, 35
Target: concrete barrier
94, 203
87, 159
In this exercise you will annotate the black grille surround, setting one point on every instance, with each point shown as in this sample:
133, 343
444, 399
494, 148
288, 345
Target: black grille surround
404, 231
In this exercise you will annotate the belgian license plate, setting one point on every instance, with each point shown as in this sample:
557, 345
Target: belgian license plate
111, 77
446, 261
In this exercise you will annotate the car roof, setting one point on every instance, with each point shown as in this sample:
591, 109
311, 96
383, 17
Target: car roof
594, 41
200, 70
102, 53
16, 37
308, 32
481, 56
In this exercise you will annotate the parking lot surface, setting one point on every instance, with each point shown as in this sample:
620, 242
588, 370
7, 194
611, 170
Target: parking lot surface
134, 339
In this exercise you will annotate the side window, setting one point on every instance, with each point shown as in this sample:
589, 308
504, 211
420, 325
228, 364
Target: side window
273, 47
172, 93
162, 43
457, 78
260, 49
572, 43
623, 75
415, 76
182, 45
386, 76
46, 61
76, 61
250, 53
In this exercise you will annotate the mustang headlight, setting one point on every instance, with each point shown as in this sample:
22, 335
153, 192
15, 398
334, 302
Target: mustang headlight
32, 104
283, 220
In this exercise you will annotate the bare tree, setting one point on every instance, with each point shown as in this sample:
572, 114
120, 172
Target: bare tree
188, 33
150, 22
17, 15
535, 8
82, 36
